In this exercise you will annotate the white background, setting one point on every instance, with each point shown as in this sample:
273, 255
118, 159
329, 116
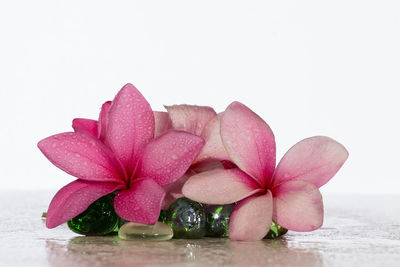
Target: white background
307, 67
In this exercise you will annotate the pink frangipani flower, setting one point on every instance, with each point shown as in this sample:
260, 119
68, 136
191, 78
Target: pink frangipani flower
202, 121
162, 122
287, 194
118, 152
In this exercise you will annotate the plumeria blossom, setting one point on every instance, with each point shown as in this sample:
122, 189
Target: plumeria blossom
287, 194
202, 121
163, 123
118, 153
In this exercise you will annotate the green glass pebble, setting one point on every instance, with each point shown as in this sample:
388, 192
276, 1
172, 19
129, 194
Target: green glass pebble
275, 231
163, 216
218, 216
136, 231
99, 218
119, 224
187, 218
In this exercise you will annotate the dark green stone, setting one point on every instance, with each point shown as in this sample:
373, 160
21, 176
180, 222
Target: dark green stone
163, 216
99, 218
187, 219
218, 216
275, 231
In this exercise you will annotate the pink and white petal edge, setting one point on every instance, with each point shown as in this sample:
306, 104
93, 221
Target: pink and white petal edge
251, 218
249, 142
298, 206
316, 160
220, 186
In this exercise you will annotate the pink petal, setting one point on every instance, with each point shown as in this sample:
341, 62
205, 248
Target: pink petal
169, 156
220, 186
82, 156
75, 198
298, 206
162, 122
141, 203
103, 120
130, 125
86, 126
315, 160
190, 118
213, 148
251, 218
174, 191
249, 142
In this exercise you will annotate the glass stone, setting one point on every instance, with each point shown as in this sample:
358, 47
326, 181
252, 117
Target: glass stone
99, 218
136, 231
187, 218
217, 224
163, 216
275, 231
119, 225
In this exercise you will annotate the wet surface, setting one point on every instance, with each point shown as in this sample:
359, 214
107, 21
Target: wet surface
357, 231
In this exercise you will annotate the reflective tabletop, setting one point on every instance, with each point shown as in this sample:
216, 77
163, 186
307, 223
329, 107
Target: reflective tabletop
358, 230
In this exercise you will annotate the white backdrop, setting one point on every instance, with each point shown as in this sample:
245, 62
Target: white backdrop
307, 67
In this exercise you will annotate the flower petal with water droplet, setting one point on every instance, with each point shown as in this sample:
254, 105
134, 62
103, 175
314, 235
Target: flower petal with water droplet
298, 206
249, 142
190, 118
220, 186
162, 122
130, 125
82, 156
169, 156
315, 160
251, 218
74, 198
141, 203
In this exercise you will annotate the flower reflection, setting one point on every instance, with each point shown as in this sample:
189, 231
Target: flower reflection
110, 250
